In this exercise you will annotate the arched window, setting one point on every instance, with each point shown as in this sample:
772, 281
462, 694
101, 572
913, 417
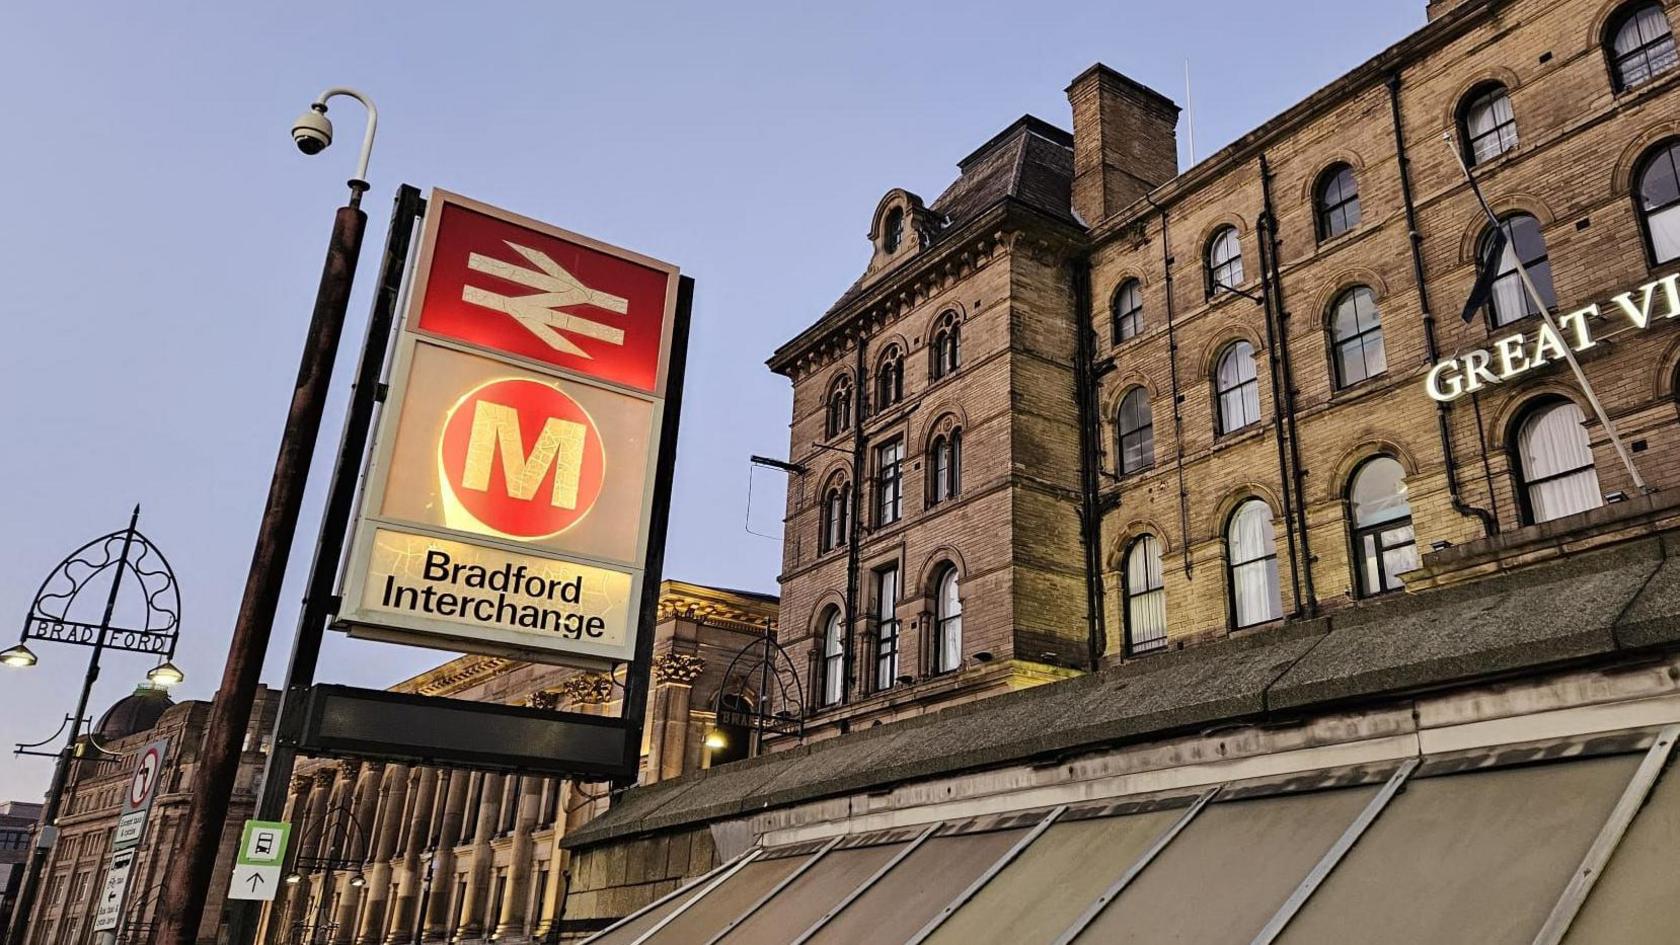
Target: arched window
1659, 201
1237, 387
840, 405
1224, 260
886, 627
1251, 560
947, 621
1338, 202
1128, 310
1146, 597
1640, 45
1555, 463
1356, 334
889, 481
833, 658
836, 516
892, 231
1510, 301
1486, 123
945, 350
1134, 432
945, 476
889, 378
1384, 544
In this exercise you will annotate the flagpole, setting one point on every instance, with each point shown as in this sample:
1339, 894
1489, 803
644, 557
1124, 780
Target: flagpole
1546, 316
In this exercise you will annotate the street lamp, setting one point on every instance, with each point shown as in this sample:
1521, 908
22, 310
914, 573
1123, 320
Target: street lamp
49, 618
166, 675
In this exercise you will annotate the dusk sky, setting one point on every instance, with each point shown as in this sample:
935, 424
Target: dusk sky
162, 238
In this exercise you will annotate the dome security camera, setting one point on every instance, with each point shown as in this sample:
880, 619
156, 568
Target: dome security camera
313, 130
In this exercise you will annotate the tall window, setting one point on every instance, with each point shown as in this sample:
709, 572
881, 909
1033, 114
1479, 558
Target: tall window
1555, 462
1659, 201
1224, 260
947, 621
1237, 388
1135, 432
1338, 202
833, 658
1523, 241
836, 515
1251, 557
1128, 311
886, 627
1146, 597
892, 231
945, 349
1356, 334
889, 482
1640, 45
840, 405
945, 476
1487, 124
1384, 544
889, 379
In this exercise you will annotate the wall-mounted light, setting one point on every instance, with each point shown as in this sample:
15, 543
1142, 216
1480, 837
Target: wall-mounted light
716, 740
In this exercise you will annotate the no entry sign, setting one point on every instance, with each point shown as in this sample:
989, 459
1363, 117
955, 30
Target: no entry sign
507, 507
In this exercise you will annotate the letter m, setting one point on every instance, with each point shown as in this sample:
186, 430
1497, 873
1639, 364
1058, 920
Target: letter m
495, 428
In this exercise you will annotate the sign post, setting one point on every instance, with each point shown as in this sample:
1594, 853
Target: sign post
142, 789
107, 915
256, 869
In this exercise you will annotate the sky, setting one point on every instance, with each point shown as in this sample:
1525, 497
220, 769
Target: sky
161, 238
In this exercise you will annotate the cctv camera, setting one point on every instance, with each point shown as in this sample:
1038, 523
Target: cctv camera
312, 131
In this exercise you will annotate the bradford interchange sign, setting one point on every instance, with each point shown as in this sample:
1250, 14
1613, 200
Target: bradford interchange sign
1519, 353
507, 504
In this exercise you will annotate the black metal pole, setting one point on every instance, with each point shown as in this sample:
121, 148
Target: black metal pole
319, 602
636, 682
25, 902
182, 909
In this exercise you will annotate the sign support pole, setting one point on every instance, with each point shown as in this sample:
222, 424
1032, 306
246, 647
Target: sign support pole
636, 682
318, 602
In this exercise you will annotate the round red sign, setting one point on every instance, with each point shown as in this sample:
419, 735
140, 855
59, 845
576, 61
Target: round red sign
522, 458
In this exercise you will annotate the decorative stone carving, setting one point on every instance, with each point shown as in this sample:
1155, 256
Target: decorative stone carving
682, 668
546, 699
588, 688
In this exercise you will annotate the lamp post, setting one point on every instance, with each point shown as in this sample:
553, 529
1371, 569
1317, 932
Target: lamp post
184, 897
119, 554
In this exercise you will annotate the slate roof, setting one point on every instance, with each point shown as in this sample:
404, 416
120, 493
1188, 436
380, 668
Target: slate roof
1597, 606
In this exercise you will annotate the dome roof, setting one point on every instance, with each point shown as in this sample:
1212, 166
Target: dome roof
133, 713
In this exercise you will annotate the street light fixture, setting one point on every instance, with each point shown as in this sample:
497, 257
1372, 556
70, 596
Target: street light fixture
293, 878
18, 657
166, 675
358, 881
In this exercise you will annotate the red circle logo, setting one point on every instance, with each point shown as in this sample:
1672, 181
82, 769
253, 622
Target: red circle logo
522, 458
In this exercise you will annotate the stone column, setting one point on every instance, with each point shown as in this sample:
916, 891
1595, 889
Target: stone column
674, 675
329, 844
443, 862
393, 791
527, 799
363, 804
478, 877
419, 828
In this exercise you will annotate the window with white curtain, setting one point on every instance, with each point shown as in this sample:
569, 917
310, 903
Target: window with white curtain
947, 622
1659, 201
1555, 463
1224, 263
1523, 242
1338, 202
886, 627
836, 516
1488, 124
833, 658
1128, 311
1641, 45
1135, 432
1146, 597
1251, 559
1237, 387
1356, 333
1384, 543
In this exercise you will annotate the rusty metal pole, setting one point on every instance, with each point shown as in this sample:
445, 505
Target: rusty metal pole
188, 884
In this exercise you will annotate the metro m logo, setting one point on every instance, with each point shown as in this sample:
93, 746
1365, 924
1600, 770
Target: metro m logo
493, 484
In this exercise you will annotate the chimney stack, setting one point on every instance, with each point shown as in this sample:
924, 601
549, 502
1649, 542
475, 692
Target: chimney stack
1125, 142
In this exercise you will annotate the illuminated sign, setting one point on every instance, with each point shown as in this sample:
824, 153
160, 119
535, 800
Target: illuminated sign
1521, 352
507, 504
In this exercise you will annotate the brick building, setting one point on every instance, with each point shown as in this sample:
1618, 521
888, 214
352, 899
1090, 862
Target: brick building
17, 833
1044, 431
399, 853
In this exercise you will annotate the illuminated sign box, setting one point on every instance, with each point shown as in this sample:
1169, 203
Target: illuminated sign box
507, 504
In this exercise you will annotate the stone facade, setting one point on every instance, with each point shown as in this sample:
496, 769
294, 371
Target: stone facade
1039, 272
397, 853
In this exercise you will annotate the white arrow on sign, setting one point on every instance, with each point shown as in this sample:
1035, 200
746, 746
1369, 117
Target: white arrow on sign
537, 312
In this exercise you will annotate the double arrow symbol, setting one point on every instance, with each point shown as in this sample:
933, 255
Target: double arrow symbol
537, 312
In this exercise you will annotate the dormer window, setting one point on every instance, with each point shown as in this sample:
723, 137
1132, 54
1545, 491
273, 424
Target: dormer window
892, 234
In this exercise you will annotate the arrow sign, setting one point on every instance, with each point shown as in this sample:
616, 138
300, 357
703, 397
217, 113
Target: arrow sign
536, 313
255, 881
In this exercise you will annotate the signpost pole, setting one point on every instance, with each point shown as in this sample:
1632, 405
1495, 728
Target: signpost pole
318, 603
188, 886
636, 682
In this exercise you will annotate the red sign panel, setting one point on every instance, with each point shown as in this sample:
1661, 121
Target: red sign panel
536, 294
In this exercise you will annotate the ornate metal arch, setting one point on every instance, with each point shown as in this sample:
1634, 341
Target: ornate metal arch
763, 667
134, 557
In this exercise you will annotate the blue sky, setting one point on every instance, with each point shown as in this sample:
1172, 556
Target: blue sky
161, 238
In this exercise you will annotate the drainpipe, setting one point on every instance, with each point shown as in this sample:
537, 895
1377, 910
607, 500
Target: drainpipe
1279, 409
1270, 244
1490, 523
1085, 378
854, 554
1177, 398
